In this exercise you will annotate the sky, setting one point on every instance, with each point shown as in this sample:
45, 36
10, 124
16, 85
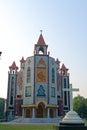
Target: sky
64, 25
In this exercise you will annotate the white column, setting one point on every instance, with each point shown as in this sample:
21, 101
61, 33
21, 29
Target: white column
48, 113
22, 112
71, 97
56, 112
33, 113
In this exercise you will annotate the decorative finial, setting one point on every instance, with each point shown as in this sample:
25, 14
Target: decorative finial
0, 53
41, 31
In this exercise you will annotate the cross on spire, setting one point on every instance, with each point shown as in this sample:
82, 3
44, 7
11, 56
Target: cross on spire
41, 31
71, 90
41, 39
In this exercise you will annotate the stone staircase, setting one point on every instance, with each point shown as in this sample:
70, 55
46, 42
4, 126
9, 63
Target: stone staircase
35, 120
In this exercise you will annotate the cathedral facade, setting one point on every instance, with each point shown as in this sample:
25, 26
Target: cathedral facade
36, 89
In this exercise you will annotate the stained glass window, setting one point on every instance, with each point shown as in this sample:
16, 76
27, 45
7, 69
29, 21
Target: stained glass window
12, 91
28, 91
53, 75
64, 82
52, 92
28, 74
65, 98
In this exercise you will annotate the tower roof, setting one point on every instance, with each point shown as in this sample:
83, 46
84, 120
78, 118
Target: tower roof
22, 60
13, 66
41, 40
57, 61
63, 67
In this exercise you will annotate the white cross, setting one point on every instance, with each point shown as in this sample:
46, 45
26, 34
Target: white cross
70, 89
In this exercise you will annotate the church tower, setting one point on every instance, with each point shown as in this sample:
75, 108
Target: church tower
40, 47
44, 85
65, 85
11, 95
41, 69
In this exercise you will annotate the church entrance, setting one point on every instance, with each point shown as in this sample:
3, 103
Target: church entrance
27, 113
40, 110
51, 113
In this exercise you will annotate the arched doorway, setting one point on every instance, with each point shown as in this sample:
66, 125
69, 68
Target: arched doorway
27, 113
40, 110
51, 113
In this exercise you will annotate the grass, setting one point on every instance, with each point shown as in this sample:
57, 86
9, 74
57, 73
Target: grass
26, 127
86, 122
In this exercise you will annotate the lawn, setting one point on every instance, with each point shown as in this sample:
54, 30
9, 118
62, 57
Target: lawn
26, 127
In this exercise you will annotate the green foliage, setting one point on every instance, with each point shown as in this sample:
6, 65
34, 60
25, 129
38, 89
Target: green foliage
80, 106
26, 127
2, 106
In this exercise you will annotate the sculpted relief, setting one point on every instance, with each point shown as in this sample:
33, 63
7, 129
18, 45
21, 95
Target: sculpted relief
41, 74
41, 71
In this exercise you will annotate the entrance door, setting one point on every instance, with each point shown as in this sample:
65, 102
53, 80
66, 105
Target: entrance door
27, 113
40, 110
51, 113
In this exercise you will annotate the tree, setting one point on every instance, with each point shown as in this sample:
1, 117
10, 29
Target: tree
80, 106
2, 108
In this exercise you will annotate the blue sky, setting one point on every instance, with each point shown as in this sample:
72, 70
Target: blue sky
64, 25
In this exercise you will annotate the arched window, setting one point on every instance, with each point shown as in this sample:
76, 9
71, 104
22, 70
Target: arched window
28, 74
41, 50
28, 91
64, 82
52, 92
53, 75
12, 91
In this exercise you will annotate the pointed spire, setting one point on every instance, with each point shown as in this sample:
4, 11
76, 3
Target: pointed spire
22, 60
57, 61
57, 64
13, 66
41, 39
63, 67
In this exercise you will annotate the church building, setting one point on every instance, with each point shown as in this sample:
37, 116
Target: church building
35, 90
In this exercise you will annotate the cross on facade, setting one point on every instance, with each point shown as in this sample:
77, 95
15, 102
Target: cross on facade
70, 89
